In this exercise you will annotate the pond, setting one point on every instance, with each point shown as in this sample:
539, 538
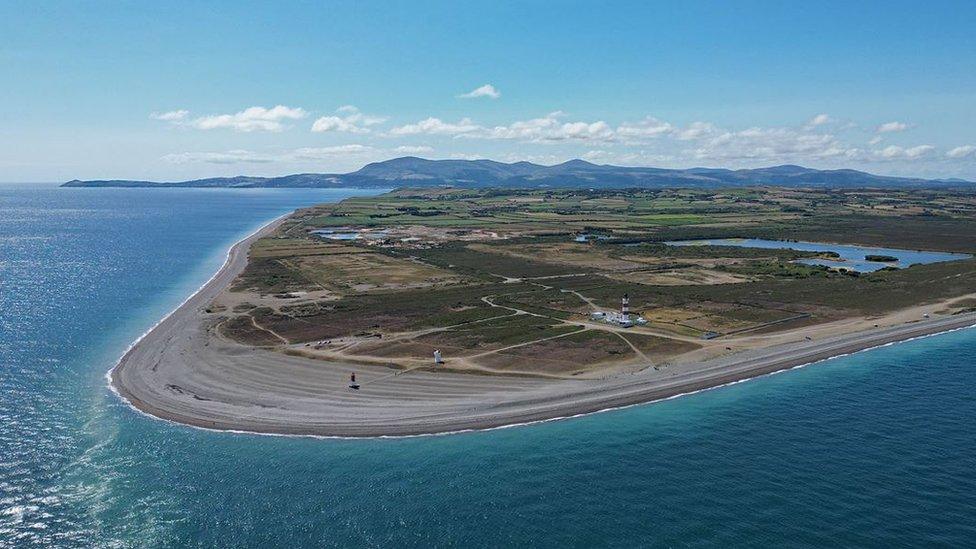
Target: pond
851, 257
587, 237
346, 233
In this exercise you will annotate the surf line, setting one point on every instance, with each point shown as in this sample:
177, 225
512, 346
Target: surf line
227, 257
524, 423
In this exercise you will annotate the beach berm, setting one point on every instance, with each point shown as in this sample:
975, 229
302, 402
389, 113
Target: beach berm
532, 321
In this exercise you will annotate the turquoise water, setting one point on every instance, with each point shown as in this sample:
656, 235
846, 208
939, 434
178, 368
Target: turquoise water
876, 449
851, 257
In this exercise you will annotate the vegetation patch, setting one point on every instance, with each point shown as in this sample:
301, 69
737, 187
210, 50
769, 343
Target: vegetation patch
497, 277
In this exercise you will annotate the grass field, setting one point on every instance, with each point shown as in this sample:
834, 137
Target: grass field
496, 278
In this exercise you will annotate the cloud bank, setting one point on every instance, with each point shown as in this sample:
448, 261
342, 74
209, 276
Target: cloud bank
820, 139
891, 127
348, 119
248, 120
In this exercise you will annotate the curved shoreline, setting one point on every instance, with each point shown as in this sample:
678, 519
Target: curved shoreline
176, 371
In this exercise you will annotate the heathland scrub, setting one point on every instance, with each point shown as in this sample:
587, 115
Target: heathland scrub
188, 370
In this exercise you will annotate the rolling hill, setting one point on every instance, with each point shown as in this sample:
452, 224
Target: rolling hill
413, 171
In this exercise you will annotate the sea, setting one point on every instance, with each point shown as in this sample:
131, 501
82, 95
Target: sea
875, 449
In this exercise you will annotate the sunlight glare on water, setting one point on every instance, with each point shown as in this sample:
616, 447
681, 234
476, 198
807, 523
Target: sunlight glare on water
874, 449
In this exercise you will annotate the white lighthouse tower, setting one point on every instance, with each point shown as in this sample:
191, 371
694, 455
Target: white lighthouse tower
625, 306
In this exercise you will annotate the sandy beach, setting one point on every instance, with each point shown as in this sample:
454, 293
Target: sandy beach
179, 371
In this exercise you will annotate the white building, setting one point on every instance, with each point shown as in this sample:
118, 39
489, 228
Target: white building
623, 318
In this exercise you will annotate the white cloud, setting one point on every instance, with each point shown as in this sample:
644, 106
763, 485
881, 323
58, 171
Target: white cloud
919, 151
467, 156
627, 158
251, 119
248, 120
890, 127
696, 130
648, 127
483, 91
771, 145
240, 156
170, 116
962, 151
894, 152
227, 157
411, 149
552, 128
547, 158
645, 141
525, 130
549, 129
336, 124
596, 155
353, 121
582, 131
776, 144
436, 126
819, 120
319, 153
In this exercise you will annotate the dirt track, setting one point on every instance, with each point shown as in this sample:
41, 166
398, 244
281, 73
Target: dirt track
178, 371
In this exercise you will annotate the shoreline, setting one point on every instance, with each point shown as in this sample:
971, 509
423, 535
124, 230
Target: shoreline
110, 374
523, 424
177, 372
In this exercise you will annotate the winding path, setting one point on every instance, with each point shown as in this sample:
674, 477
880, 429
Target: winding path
179, 371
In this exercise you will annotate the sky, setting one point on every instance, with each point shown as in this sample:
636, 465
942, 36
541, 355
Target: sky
172, 91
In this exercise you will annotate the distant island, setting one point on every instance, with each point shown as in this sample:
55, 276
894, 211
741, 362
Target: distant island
415, 172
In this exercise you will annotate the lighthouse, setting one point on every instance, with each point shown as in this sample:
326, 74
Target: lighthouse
625, 306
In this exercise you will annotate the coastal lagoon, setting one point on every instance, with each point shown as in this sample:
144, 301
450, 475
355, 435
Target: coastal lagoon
873, 449
850, 257
349, 234
590, 237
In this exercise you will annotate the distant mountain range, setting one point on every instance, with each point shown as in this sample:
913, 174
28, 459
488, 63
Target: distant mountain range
416, 172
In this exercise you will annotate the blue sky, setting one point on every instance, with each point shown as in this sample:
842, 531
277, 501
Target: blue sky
172, 91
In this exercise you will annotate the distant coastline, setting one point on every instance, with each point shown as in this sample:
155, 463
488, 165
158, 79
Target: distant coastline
412, 172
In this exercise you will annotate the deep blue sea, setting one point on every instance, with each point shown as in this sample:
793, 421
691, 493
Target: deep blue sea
876, 449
